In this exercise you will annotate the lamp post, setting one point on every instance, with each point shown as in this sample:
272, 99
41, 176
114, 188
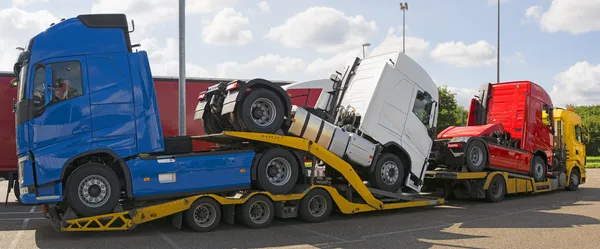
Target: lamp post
363, 48
498, 49
182, 112
404, 8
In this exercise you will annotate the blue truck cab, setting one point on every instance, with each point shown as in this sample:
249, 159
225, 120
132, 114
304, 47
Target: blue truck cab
88, 128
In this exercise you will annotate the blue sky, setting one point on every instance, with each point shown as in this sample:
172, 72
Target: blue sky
549, 42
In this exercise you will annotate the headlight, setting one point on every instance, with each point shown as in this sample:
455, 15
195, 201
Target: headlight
20, 168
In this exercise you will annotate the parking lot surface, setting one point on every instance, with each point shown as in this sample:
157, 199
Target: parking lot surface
559, 219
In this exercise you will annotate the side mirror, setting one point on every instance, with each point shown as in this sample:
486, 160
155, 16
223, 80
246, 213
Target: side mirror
14, 82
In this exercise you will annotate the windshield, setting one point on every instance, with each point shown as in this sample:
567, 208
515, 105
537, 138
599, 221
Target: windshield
22, 82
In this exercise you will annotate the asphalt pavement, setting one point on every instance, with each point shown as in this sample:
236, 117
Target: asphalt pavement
558, 219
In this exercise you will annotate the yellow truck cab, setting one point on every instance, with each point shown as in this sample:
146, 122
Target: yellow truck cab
573, 137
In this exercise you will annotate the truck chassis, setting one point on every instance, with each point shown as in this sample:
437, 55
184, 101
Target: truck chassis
311, 202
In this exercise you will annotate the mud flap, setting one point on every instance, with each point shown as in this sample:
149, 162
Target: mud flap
199, 110
177, 220
11, 182
229, 214
229, 102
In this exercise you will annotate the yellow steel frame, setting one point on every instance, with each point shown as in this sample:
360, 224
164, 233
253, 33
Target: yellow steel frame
514, 185
129, 219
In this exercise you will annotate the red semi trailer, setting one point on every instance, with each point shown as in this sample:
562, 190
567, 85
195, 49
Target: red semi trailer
167, 94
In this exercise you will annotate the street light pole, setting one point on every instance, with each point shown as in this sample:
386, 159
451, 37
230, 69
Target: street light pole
404, 8
182, 112
363, 48
498, 49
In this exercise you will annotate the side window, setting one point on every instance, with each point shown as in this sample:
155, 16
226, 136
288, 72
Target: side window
578, 134
39, 86
66, 81
422, 108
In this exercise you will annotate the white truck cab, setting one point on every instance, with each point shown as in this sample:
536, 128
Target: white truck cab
388, 106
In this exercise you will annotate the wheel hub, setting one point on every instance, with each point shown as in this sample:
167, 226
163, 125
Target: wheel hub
574, 179
94, 191
389, 172
317, 206
204, 215
259, 212
279, 171
476, 156
263, 112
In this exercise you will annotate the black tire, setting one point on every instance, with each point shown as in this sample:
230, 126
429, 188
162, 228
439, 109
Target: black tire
178, 144
277, 171
497, 189
204, 215
389, 173
211, 124
574, 180
271, 104
315, 206
476, 156
98, 175
538, 169
257, 212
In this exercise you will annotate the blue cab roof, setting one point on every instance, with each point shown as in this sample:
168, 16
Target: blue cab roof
84, 34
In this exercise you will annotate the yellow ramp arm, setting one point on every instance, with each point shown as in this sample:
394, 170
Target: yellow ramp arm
326, 156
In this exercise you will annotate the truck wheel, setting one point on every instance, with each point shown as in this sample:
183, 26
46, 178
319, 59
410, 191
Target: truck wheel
93, 189
261, 111
573, 180
476, 156
316, 206
204, 215
389, 173
211, 124
257, 212
277, 171
497, 189
538, 169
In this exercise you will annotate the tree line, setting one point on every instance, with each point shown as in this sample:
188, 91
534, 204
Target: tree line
453, 114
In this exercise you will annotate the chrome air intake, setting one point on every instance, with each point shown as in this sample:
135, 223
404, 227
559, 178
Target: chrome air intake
343, 144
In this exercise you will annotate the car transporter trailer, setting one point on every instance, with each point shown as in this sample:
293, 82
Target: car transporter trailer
311, 202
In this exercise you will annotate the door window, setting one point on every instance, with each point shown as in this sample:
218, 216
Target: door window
422, 108
66, 81
39, 86
578, 134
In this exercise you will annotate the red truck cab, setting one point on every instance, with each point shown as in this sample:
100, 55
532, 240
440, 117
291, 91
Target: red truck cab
508, 129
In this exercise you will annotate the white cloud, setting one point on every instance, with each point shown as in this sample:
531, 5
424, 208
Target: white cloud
164, 61
17, 27
326, 29
415, 47
24, 3
227, 28
463, 95
580, 85
146, 12
574, 16
518, 57
325, 67
267, 63
477, 54
264, 6
534, 12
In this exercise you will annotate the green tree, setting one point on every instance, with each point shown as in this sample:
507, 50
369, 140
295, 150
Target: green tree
450, 113
590, 115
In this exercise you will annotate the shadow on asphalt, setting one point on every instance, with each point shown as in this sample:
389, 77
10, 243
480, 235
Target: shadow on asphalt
471, 213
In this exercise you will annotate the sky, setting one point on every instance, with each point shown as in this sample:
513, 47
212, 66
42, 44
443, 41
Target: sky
549, 42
